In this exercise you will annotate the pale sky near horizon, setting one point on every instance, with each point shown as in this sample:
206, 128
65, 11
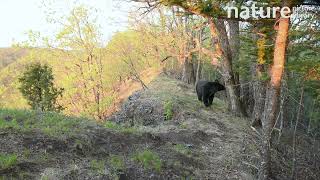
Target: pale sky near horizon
19, 16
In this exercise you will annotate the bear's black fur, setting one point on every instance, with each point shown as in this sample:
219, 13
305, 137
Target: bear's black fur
206, 90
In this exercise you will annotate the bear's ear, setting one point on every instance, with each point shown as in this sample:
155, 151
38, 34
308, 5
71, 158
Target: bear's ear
216, 80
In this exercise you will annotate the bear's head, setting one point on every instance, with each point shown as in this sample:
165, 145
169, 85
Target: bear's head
218, 86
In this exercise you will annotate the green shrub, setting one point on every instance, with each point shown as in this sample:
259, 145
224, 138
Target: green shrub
117, 162
26, 153
9, 124
36, 85
111, 125
168, 110
149, 160
182, 149
8, 160
119, 128
98, 166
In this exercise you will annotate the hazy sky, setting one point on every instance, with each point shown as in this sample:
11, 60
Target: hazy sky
19, 16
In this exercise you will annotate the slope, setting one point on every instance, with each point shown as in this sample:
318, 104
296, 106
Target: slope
160, 133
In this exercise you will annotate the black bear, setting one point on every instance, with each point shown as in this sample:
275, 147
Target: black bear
206, 90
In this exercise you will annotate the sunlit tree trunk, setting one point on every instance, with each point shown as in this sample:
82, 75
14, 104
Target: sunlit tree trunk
199, 62
259, 84
188, 75
259, 102
272, 96
223, 50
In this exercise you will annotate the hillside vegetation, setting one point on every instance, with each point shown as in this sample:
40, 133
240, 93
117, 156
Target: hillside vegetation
126, 100
194, 142
141, 141
10, 55
77, 77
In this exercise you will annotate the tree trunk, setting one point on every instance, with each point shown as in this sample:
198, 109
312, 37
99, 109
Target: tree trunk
188, 75
272, 96
199, 65
259, 102
258, 70
188, 71
311, 118
199, 70
285, 96
284, 106
218, 32
234, 40
259, 84
294, 149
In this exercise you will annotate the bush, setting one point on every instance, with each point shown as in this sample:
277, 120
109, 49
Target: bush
7, 160
36, 85
117, 162
9, 124
168, 110
98, 166
182, 149
149, 160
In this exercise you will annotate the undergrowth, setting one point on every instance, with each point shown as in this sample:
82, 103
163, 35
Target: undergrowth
8, 160
149, 160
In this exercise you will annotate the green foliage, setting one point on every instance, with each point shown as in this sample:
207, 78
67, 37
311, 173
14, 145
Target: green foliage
26, 153
45, 177
94, 71
182, 149
117, 162
8, 160
149, 160
9, 124
120, 128
98, 166
168, 110
304, 67
265, 77
38, 88
50, 123
111, 125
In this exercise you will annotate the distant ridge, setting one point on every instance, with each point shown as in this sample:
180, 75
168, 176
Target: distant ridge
10, 55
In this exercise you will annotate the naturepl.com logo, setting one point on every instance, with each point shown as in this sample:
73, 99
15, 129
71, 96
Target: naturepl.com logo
256, 12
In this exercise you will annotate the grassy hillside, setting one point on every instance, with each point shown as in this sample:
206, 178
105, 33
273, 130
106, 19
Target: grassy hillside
193, 142
79, 78
10, 68
161, 133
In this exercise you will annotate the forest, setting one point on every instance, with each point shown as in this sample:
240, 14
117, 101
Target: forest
74, 105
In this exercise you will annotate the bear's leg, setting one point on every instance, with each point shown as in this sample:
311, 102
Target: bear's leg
211, 99
199, 93
206, 102
205, 98
199, 97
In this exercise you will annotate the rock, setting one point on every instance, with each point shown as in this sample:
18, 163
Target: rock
140, 111
52, 174
8, 118
135, 96
246, 176
189, 145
